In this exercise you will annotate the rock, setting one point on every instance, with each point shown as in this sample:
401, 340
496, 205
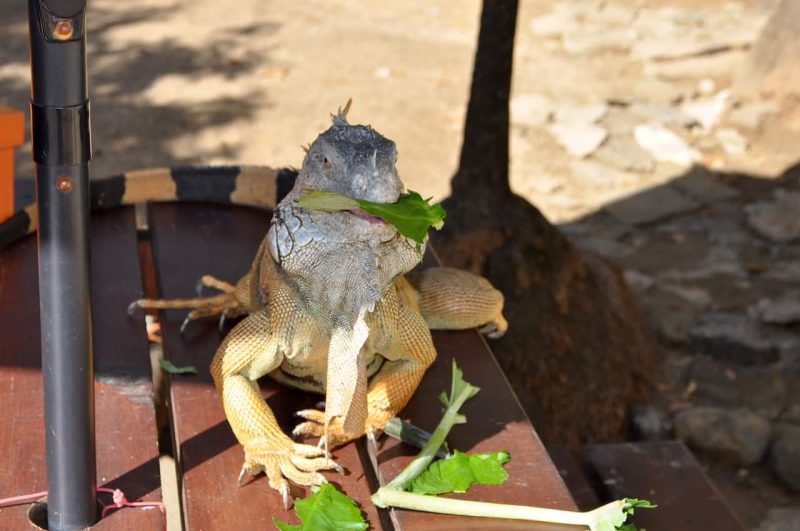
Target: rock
621, 121
791, 415
670, 320
751, 115
671, 33
676, 368
532, 110
624, 153
663, 114
590, 40
781, 310
781, 519
637, 280
734, 338
606, 248
707, 110
763, 390
776, 220
696, 297
552, 24
657, 91
578, 139
649, 423
651, 205
706, 86
664, 145
788, 270
731, 141
738, 435
597, 174
700, 184
719, 65
383, 72
785, 457
613, 14
581, 114
714, 383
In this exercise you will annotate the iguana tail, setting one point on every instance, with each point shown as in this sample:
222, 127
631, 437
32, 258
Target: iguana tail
254, 186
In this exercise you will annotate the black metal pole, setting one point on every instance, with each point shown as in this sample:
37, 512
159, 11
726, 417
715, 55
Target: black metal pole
61, 151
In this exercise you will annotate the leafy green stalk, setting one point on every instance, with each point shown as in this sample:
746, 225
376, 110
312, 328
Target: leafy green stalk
460, 392
609, 517
171, 368
606, 518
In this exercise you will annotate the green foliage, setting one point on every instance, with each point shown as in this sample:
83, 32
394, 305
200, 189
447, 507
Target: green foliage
326, 509
460, 471
615, 521
458, 386
172, 369
410, 214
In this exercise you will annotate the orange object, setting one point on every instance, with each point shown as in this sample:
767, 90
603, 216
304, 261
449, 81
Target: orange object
12, 134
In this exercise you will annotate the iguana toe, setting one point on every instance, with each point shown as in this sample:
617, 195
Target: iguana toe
284, 461
330, 431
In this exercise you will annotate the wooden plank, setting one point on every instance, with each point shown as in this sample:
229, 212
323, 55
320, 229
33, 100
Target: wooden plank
667, 474
127, 449
190, 241
576, 476
495, 421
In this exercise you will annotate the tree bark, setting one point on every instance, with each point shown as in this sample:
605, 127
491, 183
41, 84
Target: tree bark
484, 154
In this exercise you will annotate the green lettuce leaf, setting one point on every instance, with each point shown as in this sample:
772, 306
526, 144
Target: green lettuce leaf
326, 509
172, 369
410, 214
460, 471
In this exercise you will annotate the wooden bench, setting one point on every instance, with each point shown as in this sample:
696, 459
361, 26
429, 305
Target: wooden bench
664, 472
184, 242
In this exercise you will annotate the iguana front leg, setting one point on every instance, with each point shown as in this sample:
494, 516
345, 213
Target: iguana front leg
234, 301
250, 351
401, 336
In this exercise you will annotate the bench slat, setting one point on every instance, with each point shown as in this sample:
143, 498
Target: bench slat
667, 474
495, 421
190, 241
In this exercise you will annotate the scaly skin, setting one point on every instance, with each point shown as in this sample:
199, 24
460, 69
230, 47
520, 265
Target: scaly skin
331, 312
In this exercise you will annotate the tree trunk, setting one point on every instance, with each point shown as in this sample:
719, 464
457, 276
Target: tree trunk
576, 353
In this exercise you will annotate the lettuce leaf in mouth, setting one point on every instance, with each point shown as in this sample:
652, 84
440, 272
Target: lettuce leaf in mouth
410, 214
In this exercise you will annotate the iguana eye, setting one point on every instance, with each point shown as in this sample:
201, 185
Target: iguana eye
326, 162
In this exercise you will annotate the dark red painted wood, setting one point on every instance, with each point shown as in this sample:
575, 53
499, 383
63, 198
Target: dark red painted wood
190, 241
495, 421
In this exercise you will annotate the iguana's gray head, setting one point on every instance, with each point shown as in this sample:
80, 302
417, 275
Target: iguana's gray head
352, 160
343, 261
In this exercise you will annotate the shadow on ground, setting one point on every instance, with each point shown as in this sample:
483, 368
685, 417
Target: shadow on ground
120, 74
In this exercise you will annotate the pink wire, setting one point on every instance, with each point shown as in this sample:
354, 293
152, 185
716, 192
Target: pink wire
117, 496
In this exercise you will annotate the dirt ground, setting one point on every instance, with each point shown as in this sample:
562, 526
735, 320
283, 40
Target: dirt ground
204, 82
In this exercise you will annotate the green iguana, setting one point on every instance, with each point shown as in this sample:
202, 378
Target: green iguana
331, 306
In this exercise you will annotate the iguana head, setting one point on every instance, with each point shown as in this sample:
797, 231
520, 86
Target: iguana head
343, 261
352, 160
